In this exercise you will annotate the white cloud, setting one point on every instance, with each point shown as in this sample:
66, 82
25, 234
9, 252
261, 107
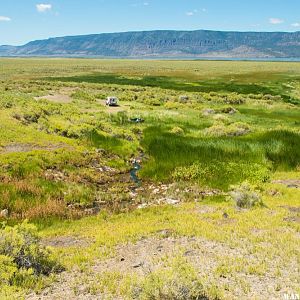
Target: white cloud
275, 21
195, 11
190, 13
295, 24
4, 19
43, 7
139, 4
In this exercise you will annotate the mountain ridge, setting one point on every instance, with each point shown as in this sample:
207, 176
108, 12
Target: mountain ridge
167, 43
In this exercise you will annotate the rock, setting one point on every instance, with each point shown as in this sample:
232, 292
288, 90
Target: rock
225, 215
229, 110
189, 253
137, 265
132, 194
156, 191
143, 205
159, 248
208, 111
172, 201
183, 99
92, 211
4, 213
102, 151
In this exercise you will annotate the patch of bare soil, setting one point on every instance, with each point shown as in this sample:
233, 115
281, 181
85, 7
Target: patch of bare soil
113, 109
56, 98
26, 147
293, 218
290, 183
146, 255
292, 209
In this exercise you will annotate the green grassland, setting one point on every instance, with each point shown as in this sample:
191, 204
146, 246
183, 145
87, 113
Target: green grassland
65, 161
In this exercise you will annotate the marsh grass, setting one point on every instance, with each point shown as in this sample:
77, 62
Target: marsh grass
218, 161
219, 85
111, 143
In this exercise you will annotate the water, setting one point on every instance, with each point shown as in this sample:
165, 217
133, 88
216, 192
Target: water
191, 58
133, 173
265, 59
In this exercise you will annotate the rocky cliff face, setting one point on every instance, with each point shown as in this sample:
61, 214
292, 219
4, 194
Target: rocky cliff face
166, 43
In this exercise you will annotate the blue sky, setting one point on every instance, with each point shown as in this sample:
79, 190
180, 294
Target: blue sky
25, 20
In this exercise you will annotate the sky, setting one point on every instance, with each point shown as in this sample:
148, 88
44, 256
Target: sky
22, 21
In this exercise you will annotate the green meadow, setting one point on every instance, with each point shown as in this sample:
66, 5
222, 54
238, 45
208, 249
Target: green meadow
219, 158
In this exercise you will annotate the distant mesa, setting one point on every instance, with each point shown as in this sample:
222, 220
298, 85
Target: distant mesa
166, 43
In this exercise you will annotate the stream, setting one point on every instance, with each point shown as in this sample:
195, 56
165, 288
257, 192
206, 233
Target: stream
133, 173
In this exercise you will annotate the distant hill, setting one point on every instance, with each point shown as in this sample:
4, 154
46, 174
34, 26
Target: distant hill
165, 43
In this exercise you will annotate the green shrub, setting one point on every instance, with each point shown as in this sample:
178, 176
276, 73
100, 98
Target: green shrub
245, 195
82, 95
153, 102
176, 280
219, 129
238, 129
7, 270
177, 130
221, 118
21, 253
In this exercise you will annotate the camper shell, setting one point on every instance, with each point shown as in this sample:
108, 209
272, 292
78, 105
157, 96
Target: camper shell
112, 101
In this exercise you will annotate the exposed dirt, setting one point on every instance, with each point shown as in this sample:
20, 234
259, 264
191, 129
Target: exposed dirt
290, 183
113, 109
56, 98
293, 218
294, 215
146, 256
292, 208
26, 147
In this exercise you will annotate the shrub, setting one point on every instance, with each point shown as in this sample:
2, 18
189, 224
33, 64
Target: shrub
177, 131
234, 98
22, 253
177, 280
208, 111
238, 129
219, 129
221, 118
7, 269
82, 95
245, 195
229, 110
153, 102
173, 105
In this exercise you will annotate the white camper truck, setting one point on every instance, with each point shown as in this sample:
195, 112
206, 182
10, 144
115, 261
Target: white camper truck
112, 101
